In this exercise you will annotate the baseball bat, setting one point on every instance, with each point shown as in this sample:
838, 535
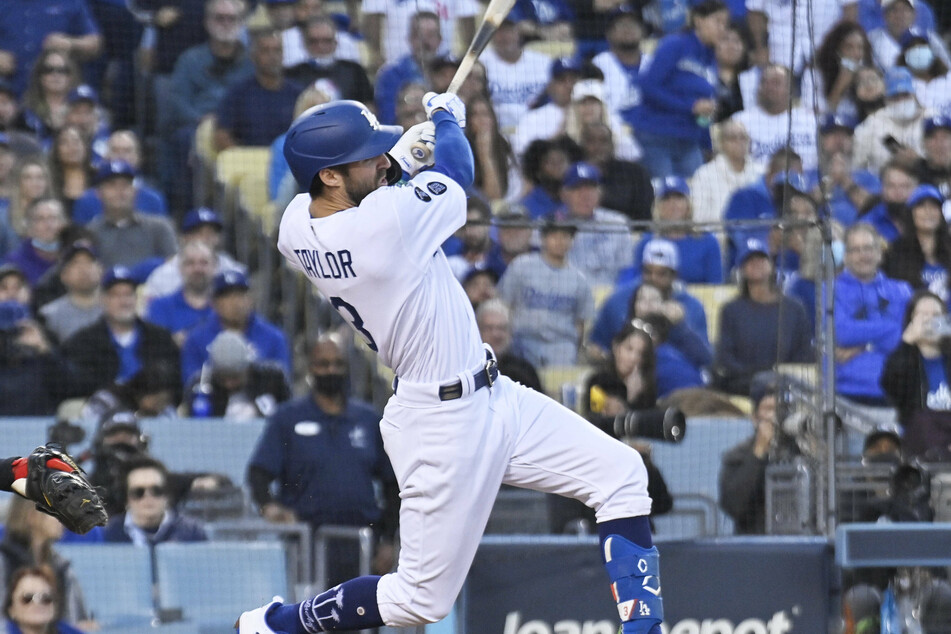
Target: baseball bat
494, 15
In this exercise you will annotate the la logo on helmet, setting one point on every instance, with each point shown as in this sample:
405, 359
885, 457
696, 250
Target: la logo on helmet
371, 118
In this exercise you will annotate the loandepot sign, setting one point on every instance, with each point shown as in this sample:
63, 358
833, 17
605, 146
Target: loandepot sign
557, 585
778, 624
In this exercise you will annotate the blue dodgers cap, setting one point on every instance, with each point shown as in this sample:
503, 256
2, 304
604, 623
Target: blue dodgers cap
114, 169
831, 122
581, 173
671, 185
563, 65
118, 275
230, 280
898, 81
795, 181
923, 193
201, 216
11, 314
83, 92
936, 122
753, 246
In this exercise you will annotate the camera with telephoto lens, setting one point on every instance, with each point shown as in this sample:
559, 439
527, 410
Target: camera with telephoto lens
669, 425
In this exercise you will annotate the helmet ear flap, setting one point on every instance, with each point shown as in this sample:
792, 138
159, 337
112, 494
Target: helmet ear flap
394, 172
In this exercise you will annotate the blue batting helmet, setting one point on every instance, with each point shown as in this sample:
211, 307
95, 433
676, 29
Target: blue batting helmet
337, 133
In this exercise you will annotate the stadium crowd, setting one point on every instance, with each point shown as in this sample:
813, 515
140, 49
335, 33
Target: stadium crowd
632, 157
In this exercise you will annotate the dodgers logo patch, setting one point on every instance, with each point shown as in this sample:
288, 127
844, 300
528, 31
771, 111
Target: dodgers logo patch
436, 188
423, 196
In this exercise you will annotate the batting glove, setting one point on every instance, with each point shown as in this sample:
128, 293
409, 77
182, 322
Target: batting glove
414, 150
445, 101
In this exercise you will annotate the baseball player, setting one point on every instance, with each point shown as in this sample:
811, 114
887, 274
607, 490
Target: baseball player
454, 429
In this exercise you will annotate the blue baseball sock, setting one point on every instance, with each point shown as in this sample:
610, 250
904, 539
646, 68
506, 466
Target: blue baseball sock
633, 566
349, 606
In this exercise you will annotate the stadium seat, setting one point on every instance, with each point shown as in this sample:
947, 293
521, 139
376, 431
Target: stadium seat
116, 581
252, 196
211, 445
693, 466
235, 163
21, 435
214, 582
552, 48
713, 297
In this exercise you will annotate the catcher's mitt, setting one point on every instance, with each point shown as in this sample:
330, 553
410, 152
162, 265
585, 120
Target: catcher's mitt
60, 488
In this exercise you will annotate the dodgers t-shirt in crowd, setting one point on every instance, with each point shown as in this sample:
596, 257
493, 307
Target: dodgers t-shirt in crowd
935, 278
939, 396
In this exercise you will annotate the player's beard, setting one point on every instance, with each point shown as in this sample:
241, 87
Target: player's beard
358, 191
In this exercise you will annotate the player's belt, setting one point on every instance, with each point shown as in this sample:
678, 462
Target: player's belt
483, 377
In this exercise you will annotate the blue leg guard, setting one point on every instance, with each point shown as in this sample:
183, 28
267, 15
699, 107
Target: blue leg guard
635, 584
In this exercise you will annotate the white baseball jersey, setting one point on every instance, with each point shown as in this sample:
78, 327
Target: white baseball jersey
813, 20
768, 134
380, 265
399, 13
514, 86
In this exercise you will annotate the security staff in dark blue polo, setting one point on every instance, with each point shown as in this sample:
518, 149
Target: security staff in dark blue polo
325, 452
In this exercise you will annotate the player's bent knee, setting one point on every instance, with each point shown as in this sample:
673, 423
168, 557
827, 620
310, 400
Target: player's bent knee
403, 606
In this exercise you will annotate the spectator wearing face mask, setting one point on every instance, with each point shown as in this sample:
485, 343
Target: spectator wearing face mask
930, 67
325, 453
896, 130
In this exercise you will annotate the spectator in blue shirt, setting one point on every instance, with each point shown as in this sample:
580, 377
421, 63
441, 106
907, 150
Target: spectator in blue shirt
181, 311
680, 353
659, 265
234, 310
761, 327
548, 20
325, 453
28, 27
122, 145
756, 202
424, 40
847, 189
239, 118
887, 213
679, 89
868, 317
699, 252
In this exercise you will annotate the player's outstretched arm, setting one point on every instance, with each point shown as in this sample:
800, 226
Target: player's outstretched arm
453, 156
6, 473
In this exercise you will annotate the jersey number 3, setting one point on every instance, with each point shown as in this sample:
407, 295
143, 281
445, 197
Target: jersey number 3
355, 320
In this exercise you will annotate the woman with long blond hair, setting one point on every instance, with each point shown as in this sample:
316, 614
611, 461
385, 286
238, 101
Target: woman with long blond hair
45, 102
31, 181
